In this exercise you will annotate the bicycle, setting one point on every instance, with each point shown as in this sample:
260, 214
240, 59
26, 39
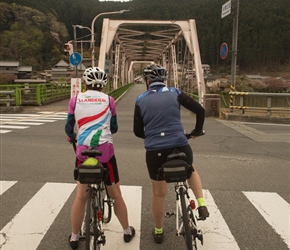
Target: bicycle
99, 204
177, 170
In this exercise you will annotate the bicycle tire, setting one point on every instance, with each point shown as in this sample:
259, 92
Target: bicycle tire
192, 222
187, 230
89, 220
106, 204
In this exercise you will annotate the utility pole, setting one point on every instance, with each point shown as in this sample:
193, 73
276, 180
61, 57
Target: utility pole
235, 9
75, 46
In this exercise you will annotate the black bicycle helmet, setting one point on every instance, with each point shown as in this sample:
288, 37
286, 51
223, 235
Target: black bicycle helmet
95, 76
154, 73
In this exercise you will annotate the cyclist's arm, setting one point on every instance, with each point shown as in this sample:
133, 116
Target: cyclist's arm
113, 121
138, 126
194, 106
70, 121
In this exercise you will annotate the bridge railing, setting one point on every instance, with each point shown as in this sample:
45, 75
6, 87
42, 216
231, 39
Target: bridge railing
28, 94
6, 97
268, 102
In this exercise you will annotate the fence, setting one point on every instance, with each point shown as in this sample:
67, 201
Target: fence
39, 94
6, 97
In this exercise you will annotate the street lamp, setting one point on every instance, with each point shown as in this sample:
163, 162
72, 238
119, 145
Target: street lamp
92, 30
83, 27
75, 39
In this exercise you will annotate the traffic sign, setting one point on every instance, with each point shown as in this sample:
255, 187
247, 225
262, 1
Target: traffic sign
75, 59
224, 51
226, 8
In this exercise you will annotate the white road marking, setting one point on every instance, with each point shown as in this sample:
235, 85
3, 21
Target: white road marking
3, 131
275, 210
29, 226
18, 115
216, 232
5, 185
266, 124
24, 123
114, 233
40, 120
13, 127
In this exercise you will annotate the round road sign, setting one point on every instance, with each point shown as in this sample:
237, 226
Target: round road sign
75, 59
224, 51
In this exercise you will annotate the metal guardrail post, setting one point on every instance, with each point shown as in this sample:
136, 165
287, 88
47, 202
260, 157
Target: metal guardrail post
17, 96
269, 105
38, 94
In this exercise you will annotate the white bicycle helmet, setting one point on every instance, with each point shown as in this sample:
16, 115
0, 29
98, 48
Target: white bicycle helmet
95, 76
155, 72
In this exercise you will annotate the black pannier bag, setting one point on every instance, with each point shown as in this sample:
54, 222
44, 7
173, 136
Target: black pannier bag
175, 171
92, 174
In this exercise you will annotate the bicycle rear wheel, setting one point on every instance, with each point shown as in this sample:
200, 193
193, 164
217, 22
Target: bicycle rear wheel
194, 231
106, 204
185, 218
90, 221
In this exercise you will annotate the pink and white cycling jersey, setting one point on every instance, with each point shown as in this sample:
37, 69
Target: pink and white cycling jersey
93, 111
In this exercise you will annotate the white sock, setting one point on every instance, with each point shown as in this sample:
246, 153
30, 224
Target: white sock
74, 237
127, 231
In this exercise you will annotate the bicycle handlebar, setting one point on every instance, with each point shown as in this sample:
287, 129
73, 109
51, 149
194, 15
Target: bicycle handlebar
195, 133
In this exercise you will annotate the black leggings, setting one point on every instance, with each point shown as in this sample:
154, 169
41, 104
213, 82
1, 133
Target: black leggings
156, 158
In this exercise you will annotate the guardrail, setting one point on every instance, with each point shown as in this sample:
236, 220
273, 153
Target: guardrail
243, 106
6, 97
40, 94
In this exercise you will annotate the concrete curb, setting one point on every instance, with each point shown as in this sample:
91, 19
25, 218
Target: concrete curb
254, 118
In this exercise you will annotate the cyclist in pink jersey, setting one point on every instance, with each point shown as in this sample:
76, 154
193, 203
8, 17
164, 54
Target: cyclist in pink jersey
94, 113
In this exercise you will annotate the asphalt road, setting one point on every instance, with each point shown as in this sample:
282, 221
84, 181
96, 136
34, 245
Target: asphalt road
242, 166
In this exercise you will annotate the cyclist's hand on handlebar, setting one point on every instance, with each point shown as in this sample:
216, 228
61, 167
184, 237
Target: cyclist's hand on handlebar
72, 140
195, 133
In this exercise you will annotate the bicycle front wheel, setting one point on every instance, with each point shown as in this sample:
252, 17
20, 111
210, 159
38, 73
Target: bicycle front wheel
187, 230
106, 204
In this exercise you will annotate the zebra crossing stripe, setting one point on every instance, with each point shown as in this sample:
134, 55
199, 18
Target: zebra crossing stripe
3, 131
132, 196
18, 116
40, 120
275, 210
5, 185
28, 227
25, 123
14, 127
216, 232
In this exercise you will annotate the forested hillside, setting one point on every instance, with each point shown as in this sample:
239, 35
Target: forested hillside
35, 34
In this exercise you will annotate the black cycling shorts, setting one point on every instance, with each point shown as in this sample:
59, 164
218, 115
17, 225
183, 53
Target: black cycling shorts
111, 165
156, 158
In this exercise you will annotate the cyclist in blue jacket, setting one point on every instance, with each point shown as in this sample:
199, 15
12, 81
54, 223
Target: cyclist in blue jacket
157, 120
94, 114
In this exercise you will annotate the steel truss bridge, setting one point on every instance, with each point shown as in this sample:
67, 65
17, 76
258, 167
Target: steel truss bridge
127, 46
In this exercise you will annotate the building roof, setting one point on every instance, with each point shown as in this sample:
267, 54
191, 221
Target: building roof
9, 64
25, 68
61, 63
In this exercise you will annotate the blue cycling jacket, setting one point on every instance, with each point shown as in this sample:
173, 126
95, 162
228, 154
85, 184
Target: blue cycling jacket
157, 116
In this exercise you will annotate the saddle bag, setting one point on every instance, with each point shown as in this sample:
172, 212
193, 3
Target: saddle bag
175, 171
92, 174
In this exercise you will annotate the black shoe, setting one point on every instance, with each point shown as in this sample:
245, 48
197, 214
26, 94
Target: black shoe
129, 237
73, 244
203, 212
158, 238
